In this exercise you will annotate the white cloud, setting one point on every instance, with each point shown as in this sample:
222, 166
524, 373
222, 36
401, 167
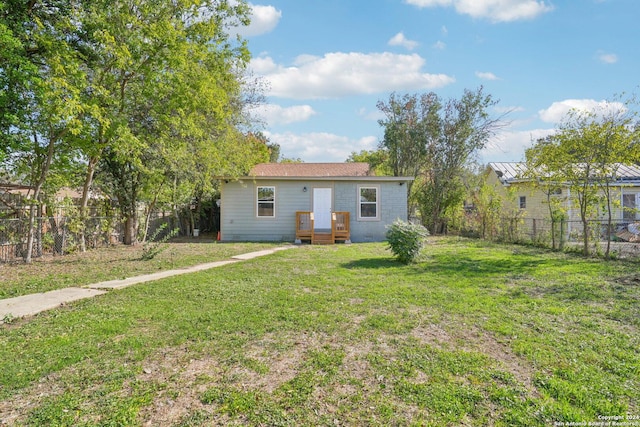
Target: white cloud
607, 58
263, 20
494, 10
558, 110
510, 145
277, 115
400, 40
320, 146
372, 115
440, 45
486, 75
341, 74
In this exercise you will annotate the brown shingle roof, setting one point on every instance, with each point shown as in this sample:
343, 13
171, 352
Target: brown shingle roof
310, 169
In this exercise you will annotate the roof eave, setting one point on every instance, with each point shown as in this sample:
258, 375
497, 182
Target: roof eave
321, 178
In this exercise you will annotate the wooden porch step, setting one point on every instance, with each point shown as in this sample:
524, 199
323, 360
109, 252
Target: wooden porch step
322, 239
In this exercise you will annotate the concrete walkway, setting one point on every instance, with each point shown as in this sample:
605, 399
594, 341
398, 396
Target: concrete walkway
28, 305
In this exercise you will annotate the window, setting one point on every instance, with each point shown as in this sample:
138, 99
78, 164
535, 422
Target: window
267, 202
628, 207
368, 202
523, 202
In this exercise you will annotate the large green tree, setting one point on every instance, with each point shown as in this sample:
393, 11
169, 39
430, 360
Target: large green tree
408, 125
435, 140
148, 96
41, 81
168, 85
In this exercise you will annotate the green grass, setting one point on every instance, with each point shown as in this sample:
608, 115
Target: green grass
116, 262
475, 334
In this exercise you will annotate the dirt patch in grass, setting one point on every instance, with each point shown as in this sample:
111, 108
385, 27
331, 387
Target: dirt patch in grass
179, 375
630, 280
186, 379
16, 408
278, 361
473, 339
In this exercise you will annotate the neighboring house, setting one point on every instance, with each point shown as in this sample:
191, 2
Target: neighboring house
74, 195
12, 199
520, 193
270, 203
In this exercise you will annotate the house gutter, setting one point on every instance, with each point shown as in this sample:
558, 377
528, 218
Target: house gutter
320, 178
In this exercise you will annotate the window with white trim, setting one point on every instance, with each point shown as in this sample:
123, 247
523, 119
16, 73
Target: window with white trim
368, 202
629, 202
266, 202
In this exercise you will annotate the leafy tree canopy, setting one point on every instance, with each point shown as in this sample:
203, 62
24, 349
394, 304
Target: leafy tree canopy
435, 140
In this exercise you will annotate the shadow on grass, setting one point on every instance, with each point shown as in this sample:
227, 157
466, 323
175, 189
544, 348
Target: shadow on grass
202, 238
377, 263
467, 266
447, 265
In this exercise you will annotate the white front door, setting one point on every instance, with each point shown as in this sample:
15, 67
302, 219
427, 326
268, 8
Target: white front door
322, 199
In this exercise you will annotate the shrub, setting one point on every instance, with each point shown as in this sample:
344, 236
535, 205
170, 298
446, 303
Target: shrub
157, 245
406, 240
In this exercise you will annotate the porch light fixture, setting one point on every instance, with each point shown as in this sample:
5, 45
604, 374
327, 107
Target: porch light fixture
304, 189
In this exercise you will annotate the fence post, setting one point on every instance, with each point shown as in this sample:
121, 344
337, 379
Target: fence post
39, 238
535, 231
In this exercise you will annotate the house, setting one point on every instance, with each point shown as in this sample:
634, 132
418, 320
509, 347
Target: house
511, 179
319, 202
12, 199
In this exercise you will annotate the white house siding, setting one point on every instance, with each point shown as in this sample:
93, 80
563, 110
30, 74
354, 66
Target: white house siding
238, 218
392, 205
239, 221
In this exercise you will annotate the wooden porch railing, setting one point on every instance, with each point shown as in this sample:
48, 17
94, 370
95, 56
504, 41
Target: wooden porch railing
304, 226
340, 228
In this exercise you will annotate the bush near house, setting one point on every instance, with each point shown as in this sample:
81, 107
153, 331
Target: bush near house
406, 240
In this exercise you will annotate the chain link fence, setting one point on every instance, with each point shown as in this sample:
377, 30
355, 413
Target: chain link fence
56, 235
622, 237
66, 233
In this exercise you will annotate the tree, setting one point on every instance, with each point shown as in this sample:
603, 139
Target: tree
585, 154
169, 85
435, 141
487, 205
573, 164
41, 81
149, 97
616, 133
378, 160
408, 124
546, 177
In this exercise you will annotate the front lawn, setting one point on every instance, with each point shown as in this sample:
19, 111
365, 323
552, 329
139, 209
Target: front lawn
115, 262
475, 334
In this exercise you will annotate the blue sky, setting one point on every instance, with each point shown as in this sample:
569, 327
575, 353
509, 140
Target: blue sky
327, 63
